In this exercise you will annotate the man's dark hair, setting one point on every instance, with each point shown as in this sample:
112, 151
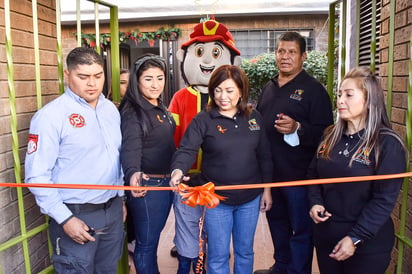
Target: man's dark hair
83, 56
296, 37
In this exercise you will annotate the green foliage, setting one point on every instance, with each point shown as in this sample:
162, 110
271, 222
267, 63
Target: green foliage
316, 65
261, 68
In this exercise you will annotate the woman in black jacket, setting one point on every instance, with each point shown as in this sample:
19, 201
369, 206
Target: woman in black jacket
354, 232
234, 152
147, 150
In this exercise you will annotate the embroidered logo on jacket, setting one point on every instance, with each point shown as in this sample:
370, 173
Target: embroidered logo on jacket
221, 129
297, 95
362, 156
253, 125
32, 143
76, 120
159, 118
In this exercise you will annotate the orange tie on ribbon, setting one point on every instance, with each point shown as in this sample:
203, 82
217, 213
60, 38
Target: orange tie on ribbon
203, 195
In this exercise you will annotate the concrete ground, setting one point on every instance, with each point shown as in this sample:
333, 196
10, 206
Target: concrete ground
263, 247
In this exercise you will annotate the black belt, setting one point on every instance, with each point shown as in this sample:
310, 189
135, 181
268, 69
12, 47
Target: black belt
91, 207
158, 176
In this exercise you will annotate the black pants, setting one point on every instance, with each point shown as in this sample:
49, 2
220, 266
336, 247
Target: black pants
371, 257
357, 264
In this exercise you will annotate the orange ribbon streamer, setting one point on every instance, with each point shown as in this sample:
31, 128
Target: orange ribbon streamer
204, 195
200, 260
199, 195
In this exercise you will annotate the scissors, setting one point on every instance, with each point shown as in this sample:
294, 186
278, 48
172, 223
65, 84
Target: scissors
99, 231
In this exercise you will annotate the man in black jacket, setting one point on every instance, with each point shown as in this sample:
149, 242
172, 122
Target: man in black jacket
296, 109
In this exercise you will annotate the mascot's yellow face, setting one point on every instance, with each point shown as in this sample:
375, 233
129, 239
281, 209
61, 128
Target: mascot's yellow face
202, 59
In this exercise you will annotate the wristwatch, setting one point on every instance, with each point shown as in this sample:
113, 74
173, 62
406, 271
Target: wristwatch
356, 241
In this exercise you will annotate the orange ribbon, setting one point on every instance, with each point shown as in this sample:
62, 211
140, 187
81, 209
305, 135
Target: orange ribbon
200, 260
203, 195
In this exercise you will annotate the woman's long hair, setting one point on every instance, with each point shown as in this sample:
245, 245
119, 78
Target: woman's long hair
374, 116
241, 80
133, 97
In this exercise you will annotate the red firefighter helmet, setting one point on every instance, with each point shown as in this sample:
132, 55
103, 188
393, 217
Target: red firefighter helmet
210, 31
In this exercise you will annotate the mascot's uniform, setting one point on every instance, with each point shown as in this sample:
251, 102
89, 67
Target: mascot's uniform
185, 105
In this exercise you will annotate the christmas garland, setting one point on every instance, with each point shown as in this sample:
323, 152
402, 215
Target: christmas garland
173, 33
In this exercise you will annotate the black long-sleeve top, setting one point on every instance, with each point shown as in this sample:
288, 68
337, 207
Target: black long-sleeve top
364, 207
234, 151
306, 101
151, 152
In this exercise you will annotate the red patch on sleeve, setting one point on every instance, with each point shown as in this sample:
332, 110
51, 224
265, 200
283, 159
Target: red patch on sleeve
32, 143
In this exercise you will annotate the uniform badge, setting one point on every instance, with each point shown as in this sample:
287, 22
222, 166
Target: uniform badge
159, 118
76, 120
221, 129
362, 156
32, 143
297, 95
253, 125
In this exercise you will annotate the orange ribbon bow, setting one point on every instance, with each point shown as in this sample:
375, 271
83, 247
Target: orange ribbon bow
203, 195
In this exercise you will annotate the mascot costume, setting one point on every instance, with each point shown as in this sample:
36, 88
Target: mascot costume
210, 46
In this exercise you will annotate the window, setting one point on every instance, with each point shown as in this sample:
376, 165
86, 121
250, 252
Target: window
365, 33
255, 42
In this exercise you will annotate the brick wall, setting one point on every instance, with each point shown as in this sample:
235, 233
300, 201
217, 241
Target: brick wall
403, 21
11, 260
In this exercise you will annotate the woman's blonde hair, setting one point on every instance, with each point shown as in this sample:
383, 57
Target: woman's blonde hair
374, 116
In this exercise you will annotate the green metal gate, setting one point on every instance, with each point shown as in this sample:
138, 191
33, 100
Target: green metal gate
27, 234
337, 17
